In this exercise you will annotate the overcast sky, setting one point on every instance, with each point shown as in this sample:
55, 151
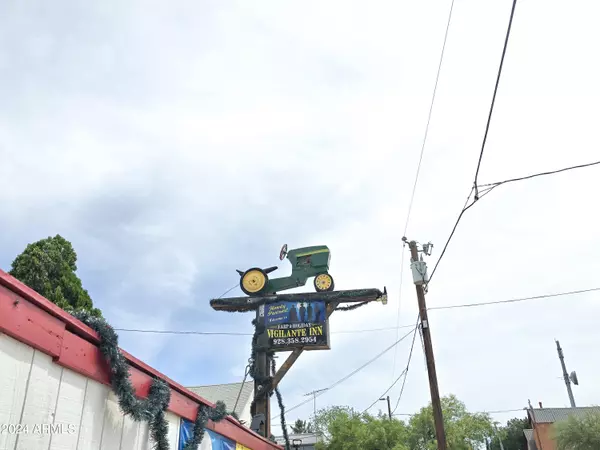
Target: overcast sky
174, 142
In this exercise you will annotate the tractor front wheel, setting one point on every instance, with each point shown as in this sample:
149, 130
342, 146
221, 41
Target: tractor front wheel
324, 283
254, 281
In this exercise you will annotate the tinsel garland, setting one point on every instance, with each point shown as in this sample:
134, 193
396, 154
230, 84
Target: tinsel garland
281, 408
264, 381
159, 430
205, 413
151, 409
247, 304
352, 306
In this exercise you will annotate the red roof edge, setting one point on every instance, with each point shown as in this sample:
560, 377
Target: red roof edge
80, 329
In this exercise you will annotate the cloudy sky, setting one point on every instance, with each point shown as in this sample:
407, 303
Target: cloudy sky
174, 142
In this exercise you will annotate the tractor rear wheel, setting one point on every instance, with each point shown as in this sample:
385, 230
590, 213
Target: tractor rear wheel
324, 283
254, 281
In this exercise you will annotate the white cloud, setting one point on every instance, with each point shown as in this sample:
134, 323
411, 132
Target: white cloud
175, 143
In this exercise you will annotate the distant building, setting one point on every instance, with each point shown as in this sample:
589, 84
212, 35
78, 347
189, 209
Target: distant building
228, 393
540, 435
306, 441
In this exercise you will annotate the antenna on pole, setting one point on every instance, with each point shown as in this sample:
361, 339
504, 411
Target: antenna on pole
314, 394
573, 378
568, 378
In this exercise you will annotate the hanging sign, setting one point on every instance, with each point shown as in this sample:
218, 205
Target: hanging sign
290, 325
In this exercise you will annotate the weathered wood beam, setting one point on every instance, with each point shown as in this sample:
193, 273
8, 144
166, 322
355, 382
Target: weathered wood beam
242, 304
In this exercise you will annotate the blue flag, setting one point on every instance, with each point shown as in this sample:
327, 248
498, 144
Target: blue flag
217, 442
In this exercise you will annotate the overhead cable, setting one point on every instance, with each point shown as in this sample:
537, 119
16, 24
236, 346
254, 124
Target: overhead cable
235, 333
489, 119
514, 300
386, 391
412, 346
351, 374
414, 189
540, 174
488, 187
501, 411
475, 188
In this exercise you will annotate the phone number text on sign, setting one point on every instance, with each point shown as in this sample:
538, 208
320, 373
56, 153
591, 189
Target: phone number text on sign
300, 340
38, 428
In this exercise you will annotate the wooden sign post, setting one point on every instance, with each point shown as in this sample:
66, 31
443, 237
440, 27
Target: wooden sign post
288, 322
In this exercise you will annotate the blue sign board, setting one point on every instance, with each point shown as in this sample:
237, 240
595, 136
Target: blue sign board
290, 325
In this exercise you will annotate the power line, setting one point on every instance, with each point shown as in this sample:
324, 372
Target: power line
399, 302
228, 290
234, 333
540, 174
199, 333
466, 305
489, 119
374, 329
437, 78
515, 300
351, 374
386, 391
501, 411
488, 188
246, 373
464, 209
475, 188
414, 189
405, 371
412, 346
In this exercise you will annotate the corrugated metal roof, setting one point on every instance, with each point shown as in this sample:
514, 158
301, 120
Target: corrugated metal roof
551, 415
227, 393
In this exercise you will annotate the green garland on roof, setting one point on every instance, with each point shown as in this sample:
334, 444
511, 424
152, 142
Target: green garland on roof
205, 413
151, 409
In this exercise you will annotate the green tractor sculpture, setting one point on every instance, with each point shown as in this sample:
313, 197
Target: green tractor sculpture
306, 262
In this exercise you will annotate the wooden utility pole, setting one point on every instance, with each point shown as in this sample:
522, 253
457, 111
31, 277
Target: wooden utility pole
389, 407
419, 270
262, 403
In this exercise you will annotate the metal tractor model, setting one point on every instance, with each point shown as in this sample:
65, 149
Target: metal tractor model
306, 262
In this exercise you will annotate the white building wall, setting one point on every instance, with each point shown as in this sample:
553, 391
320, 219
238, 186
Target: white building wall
34, 391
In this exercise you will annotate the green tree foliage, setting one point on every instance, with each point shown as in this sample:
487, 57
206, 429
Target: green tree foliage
48, 267
347, 429
512, 435
578, 433
301, 427
464, 430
